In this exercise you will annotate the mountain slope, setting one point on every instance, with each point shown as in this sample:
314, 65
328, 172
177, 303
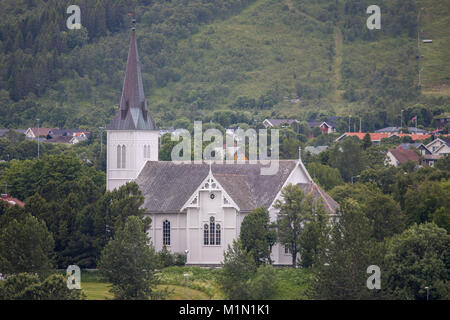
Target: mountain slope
289, 58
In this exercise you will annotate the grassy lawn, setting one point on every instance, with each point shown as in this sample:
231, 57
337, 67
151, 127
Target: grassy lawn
96, 290
292, 284
201, 284
100, 291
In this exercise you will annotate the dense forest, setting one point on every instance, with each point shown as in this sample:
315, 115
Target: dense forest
264, 58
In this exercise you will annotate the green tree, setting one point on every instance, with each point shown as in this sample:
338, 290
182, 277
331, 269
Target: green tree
263, 285
26, 246
441, 218
419, 258
257, 236
165, 258
238, 268
313, 238
325, 176
347, 158
26, 286
295, 212
385, 215
366, 142
128, 262
422, 200
341, 271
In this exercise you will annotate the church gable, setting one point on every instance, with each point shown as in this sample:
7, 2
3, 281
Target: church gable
210, 184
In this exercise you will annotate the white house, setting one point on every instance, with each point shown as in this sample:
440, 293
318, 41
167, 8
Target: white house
196, 208
440, 146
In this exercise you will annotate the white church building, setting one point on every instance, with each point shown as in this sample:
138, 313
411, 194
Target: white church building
196, 208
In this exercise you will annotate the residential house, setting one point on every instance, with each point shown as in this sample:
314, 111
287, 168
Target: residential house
440, 146
396, 157
38, 132
412, 130
315, 150
6, 197
328, 126
271, 123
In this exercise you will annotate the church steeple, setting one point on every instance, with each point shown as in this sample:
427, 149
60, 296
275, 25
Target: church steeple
132, 113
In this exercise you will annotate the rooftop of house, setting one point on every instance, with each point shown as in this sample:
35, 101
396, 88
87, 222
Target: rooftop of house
407, 146
278, 122
374, 136
397, 129
403, 155
315, 150
6, 197
38, 132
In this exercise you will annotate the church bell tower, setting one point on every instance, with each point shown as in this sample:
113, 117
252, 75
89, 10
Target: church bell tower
132, 137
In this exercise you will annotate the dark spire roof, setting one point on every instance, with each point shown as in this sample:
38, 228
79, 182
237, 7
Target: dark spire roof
132, 113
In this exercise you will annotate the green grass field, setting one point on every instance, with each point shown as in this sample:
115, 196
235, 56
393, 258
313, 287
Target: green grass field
100, 291
292, 284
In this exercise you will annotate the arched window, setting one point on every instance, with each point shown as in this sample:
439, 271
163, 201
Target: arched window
124, 156
166, 233
217, 234
119, 153
205, 234
145, 151
148, 151
211, 230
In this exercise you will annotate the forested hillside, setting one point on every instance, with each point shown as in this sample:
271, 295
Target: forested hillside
290, 58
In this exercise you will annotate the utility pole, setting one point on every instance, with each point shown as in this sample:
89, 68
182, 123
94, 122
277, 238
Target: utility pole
401, 119
360, 124
349, 130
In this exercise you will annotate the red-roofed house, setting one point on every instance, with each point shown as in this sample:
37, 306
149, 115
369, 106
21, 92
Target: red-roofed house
35, 132
11, 201
396, 157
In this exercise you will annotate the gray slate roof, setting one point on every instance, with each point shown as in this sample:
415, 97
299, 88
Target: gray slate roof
397, 129
167, 186
328, 202
133, 111
315, 150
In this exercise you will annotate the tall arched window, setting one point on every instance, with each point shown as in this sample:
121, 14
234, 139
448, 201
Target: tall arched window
205, 234
217, 234
124, 156
166, 233
119, 157
211, 230
145, 151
